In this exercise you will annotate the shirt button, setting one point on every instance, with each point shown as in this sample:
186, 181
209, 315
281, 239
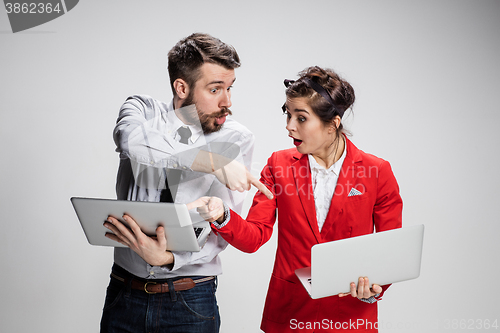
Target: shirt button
151, 273
175, 165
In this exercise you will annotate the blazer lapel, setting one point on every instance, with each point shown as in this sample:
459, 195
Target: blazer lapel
347, 180
302, 176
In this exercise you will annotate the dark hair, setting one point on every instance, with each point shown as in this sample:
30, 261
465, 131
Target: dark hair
190, 53
340, 91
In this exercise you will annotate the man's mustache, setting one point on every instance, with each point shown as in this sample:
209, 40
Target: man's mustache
222, 112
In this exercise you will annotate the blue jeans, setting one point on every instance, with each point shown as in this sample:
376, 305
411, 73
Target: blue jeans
129, 310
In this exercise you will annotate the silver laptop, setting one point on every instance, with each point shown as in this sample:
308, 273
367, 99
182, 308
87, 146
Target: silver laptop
384, 257
181, 233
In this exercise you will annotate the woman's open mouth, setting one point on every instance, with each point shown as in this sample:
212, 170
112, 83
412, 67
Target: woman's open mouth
296, 142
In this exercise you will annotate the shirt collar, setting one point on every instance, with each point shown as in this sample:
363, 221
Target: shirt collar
174, 123
335, 168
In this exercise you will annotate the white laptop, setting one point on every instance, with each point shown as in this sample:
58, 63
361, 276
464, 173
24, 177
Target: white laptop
181, 233
384, 257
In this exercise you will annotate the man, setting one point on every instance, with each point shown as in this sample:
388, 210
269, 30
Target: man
181, 151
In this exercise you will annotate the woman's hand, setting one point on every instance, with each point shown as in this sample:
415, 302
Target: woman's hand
152, 249
363, 290
210, 208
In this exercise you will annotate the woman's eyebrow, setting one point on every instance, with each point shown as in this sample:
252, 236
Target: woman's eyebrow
301, 110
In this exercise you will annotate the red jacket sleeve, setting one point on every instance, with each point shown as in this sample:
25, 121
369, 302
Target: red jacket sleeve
250, 234
388, 208
387, 211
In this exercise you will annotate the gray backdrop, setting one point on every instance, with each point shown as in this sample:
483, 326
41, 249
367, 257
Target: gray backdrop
426, 77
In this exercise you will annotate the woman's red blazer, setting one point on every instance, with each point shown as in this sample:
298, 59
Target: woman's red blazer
288, 307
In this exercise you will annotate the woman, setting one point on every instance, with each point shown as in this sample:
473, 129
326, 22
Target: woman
325, 189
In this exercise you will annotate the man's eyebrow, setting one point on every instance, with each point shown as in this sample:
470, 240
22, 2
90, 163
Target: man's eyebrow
219, 82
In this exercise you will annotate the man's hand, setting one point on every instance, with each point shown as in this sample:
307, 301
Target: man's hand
363, 290
229, 172
210, 208
236, 177
152, 249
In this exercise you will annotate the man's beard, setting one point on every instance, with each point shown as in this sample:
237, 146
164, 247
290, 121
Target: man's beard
207, 121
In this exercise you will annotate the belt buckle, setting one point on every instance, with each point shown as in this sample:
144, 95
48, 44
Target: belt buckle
146, 288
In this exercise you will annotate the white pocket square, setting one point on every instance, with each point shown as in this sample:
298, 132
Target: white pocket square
354, 192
